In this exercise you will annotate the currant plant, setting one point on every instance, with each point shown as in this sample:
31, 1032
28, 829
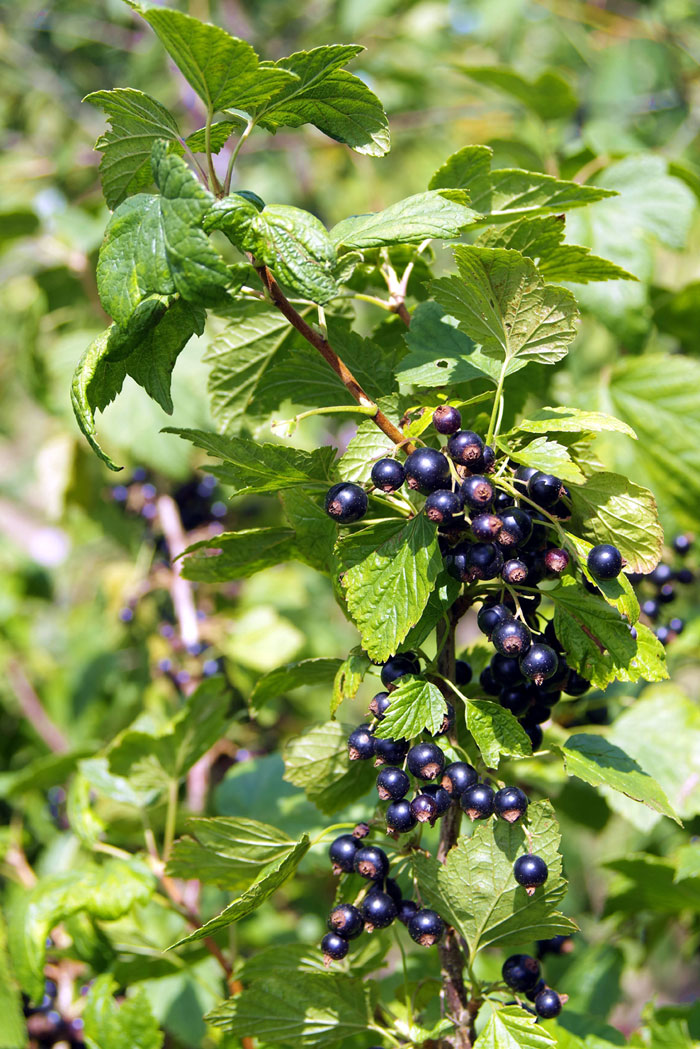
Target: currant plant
458, 505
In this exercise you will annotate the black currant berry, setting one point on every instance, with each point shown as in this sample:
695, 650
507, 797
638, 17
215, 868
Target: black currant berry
667, 593
682, 544
400, 817
651, 609
490, 616
425, 808
426, 927
521, 972
535, 735
379, 704
371, 862
388, 475
576, 685
488, 682
544, 489
486, 527
361, 744
457, 562
392, 783
397, 667
556, 560
463, 672
346, 920
516, 527
530, 872
442, 506
539, 986
448, 721
392, 888
548, 1004
390, 751
511, 638
663, 634
447, 419
342, 853
457, 777
676, 625
604, 561
506, 670
346, 502
425, 761
555, 945
477, 492
663, 573
478, 802
539, 663
334, 947
522, 476
427, 470
465, 447
510, 803
438, 792
484, 561
360, 831
488, 459
378, 910
407, 908
515, 572
559, 678
502, 500
685, 576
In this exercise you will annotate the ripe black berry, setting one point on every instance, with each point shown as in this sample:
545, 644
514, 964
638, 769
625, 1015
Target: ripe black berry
484, 561
685, 576
556, 560
426, 928
535, 735
477, 492
398, 666
425, 760
538, 713
489, 617
442, 506
530, 872
676, 625
516, 527
604, 561
502, 500
425, 808
392, 783
576, 685
457, 562
407, 908
506, 671
548, 1004
511, 638
478, 802
667, 593
486, 527
488, 458
393, 889
539, 663
447, 419
388, 475
379, 704
334, 947
346, 920
465, 447
663, 573
378, 910
400, 817
457, 776
510, 803
390, 751
447, 721
559, 678
371, 862
488, 682
663, 634
515, 572
360, 830
342, 853
682, 544
555, 945
438, 792
463, 672
427, 470
521, 972
361, 744
544, 489
346, 502
522, 476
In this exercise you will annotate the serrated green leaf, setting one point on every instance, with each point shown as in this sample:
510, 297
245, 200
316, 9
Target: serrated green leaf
420, 217
439, 354
513, 1028
387, 591
226, 851
237, 555
83, 820
501, 301
445, 592
318, 762
646, 883
219, 134
416, 706
610, 508
298, 1009
315, 532
548, 95
138, 121
96, 382
496, 732
223, 70
363, 450
546, 455
349, 677
112, 1026
599, 762
333, 100
14, 1029
307, 672
571, 420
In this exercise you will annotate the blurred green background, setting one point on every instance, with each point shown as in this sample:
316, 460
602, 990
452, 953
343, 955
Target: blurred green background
86, 616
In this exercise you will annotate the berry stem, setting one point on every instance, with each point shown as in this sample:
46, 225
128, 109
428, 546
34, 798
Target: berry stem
214, 183
497, 410
406, 991
234, 155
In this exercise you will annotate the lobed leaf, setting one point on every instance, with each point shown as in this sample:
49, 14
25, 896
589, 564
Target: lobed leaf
349, 677
420, 217
237, 555
307, 672
227, 851
416, 706
496, 732
112, 1026
549, 94
318, 762
514, 1028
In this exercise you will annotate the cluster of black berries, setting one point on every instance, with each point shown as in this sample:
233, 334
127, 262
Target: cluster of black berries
198, 500
522, 974
660, 586
47, 1027
380, 904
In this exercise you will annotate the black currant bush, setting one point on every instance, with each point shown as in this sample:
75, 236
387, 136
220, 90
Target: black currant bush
501, 573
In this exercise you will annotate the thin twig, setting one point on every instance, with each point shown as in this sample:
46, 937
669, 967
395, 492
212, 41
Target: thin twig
180, 588
32, 709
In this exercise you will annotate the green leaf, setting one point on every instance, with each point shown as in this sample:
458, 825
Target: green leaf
250, 467
599, 762
445, 592
138, 121
271, 878
609, 508
107, 893
513, 1028
349, 677
237, 555
112, 1026
548, 95
318, 762
333, 100
223, 70
439, 354
500, 301
96, 382
226, 851
646, 883
597, 640
688, 862
420, 217
363, 450
387, 591
315, 532
152, 361
308, 672
14, 1029
496, 732
571, 420
476, 890
416, 706
298, 1009
546, 455
154, 244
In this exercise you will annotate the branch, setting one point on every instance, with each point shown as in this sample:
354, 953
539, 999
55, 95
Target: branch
180, 588
33, 711
320, 343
